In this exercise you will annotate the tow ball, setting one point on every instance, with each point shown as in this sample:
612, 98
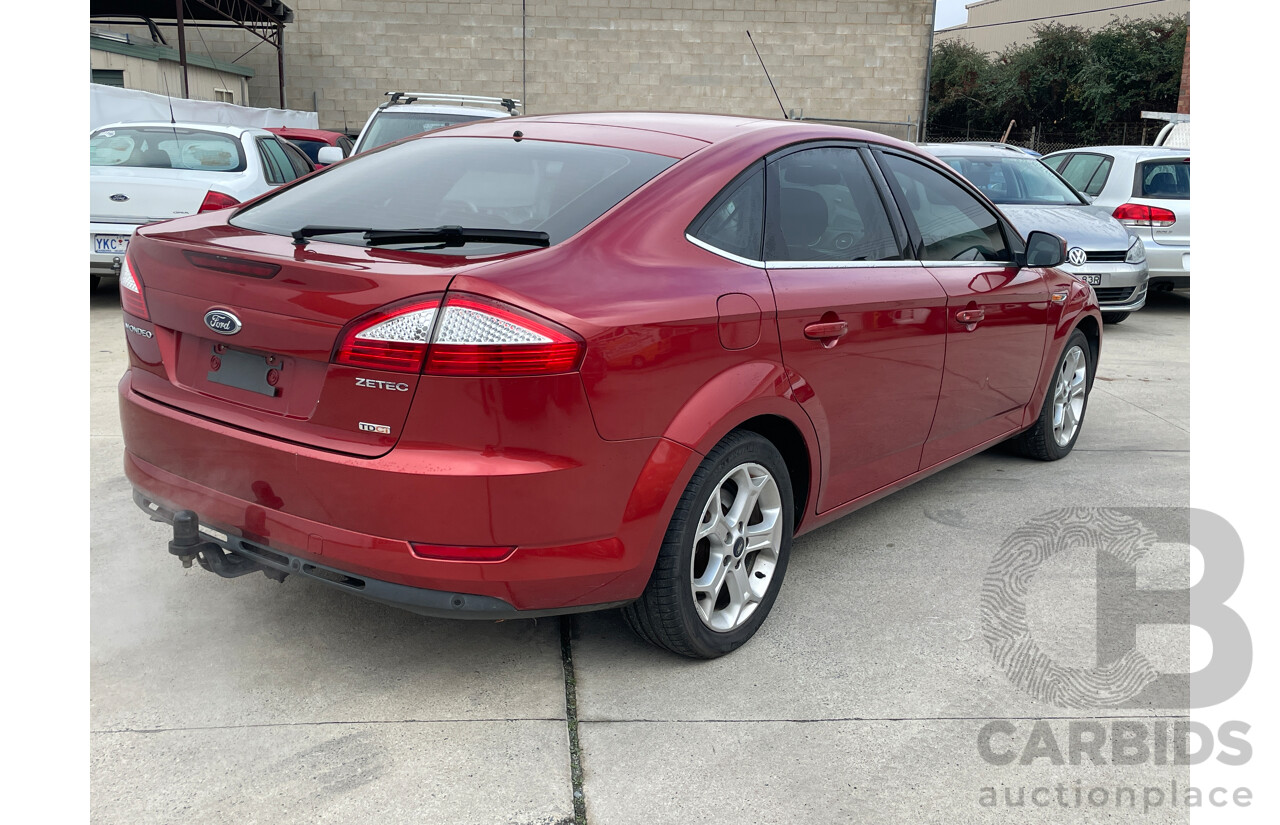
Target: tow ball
188, 545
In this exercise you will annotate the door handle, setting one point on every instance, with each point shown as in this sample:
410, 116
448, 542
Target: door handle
971, 316
826, 331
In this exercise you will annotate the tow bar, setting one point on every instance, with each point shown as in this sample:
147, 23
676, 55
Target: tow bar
188, 546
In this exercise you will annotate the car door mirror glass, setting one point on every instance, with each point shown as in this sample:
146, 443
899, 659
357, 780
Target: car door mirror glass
1045, 249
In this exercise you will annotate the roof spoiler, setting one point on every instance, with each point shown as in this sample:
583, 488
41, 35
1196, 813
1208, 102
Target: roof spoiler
394, 98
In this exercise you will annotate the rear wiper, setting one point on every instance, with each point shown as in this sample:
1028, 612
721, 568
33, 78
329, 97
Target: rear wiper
441, 236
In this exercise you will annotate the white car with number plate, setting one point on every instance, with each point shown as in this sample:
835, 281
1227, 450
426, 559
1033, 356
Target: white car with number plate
140, 173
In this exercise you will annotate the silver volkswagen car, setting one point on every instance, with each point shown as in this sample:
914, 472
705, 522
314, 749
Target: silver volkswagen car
1100, 250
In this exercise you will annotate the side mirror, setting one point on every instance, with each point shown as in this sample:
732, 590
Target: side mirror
1045, 249
329, 154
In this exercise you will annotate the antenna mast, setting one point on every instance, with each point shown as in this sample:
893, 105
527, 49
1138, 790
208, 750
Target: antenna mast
766, 75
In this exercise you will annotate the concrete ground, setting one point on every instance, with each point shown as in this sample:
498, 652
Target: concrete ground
860, 700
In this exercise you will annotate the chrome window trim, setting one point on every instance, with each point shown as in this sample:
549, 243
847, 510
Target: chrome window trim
800, 264
955, 264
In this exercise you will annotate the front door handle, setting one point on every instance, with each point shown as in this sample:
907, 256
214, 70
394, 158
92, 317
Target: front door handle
828, 332
971, 316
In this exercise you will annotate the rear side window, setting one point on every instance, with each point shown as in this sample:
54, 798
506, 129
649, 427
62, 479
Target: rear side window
1087, 172
279, 168
1164, 179
479, 183
166, 148
953, 224
734, 221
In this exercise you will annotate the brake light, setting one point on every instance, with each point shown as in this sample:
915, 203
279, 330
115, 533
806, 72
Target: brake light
234, 266
1137, 214
214, 201
482, 337
394, 338
131, 300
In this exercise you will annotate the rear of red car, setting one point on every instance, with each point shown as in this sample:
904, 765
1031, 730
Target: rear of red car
328, 406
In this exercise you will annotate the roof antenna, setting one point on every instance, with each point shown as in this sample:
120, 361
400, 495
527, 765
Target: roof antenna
172, 120
766, 75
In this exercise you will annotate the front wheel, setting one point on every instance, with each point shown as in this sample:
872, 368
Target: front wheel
1114, 317
1056, 430
724, 554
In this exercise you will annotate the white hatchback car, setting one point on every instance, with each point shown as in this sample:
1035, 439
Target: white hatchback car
1146, 188
140, 173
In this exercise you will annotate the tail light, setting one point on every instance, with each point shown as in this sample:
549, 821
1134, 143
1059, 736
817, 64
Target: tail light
131, 300
214, 201
468, 336
1137, 214
480, 337
394, 338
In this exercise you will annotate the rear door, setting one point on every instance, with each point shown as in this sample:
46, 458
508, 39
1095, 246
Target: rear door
996, 312
861, 327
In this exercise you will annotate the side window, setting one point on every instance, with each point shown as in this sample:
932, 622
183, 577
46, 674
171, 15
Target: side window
279, 169
953, 224
1055, 163
1086, 173
347, 145
734, 221
301, 166
827, 208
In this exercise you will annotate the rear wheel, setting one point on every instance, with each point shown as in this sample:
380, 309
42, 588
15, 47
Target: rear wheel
1114, 317
1056, 430
724, 555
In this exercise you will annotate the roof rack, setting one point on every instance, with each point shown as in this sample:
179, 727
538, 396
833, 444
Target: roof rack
398, 98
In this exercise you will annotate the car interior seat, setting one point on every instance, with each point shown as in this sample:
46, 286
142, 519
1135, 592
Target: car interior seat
804, 220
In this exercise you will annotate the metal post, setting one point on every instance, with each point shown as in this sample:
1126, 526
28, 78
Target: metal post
182, 47
928, 70
280, 58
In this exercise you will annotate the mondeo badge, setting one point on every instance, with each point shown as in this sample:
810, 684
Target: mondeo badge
1076, 256
222, 322
119, 198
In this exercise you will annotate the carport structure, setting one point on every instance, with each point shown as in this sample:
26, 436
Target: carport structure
264, 19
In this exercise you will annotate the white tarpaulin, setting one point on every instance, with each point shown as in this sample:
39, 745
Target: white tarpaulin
109, 104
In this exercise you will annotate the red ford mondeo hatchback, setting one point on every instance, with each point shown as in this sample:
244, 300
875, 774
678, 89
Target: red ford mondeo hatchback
555, 364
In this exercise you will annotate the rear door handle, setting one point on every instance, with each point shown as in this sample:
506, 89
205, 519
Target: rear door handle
826, 330
971, 316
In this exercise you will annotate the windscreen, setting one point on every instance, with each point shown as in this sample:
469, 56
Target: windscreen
390, 126
479, 183
163, 147
1014, 180
310, 148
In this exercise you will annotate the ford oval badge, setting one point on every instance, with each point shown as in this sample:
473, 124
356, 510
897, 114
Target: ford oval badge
222, 322
119, 198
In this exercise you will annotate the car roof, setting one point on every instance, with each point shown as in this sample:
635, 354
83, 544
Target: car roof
675, 134
305, 134
1002, 150
441, 109
224, 128
1131, 152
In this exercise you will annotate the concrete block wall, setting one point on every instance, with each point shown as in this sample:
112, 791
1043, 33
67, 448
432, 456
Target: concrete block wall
831, 59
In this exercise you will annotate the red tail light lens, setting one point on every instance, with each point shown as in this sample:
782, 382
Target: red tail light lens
482, 337
394, 338
1137, 214
214, 201
131, 300
443, 553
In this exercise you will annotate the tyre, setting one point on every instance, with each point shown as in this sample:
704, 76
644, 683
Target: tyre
94, 280
1114, 317
1056, 430
724, 555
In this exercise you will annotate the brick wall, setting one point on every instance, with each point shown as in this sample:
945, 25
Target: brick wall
846, 60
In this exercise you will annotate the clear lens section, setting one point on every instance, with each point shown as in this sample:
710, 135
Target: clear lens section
126, 278
1137, 252
410, 328
462, 325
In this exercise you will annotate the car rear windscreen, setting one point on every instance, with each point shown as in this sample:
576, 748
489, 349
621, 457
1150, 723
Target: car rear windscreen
479, 183
1170, 179
166, 148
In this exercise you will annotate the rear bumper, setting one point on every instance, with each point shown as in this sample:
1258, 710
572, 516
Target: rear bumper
1169, 265
585, 532
101, 263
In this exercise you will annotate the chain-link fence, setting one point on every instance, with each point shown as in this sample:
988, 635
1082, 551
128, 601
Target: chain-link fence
1043, 141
